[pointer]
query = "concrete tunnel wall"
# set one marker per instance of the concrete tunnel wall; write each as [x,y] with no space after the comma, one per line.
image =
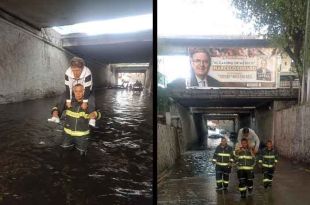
[168,147]
[31,68]
[102,75]
[292,134]
[174,140]
[189,131]
[149,78]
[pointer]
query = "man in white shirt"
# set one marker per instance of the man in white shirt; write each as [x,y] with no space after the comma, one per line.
[77,73]
[251,136]
[201,63]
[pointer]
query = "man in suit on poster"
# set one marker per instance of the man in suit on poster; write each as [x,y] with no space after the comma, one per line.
[200,61]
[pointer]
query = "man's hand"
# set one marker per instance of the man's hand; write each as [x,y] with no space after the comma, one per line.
[68,104]
[93,115]
[55,113]
[84,105]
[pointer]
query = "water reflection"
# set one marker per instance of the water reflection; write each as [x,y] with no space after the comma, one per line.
[118,167]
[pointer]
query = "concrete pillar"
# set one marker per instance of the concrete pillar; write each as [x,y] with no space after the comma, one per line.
[144,79]
[200,126]
[168,118]
[189,135]
[264,122]
[149,78]
[245,121]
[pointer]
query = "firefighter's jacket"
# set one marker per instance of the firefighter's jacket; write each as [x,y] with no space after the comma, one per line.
[223,156]
[268,158]
[245,159]
[77,119]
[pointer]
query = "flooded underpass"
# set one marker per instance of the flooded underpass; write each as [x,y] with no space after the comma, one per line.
[118,166]
[192,181]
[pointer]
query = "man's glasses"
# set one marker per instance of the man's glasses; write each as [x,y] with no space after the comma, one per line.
[205,62]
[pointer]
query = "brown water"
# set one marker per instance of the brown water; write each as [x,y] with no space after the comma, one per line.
[118,168]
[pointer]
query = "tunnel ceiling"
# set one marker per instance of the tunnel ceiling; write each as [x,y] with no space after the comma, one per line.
[122,53]
[49,13]
[126,48]
[116,48]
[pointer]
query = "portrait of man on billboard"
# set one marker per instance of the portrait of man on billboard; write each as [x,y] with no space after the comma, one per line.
[200,61]
[263,73]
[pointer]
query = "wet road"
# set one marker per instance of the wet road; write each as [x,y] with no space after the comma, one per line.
[117,169]
[192,181]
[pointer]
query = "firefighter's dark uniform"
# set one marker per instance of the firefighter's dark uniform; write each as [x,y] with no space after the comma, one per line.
[76,128]
[268,160]
[245,161]
[223,157]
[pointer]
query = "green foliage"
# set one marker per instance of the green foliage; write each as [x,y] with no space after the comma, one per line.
[284,20]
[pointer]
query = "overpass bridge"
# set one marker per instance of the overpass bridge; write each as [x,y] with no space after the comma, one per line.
[253,106]
[245,107]
[231,97]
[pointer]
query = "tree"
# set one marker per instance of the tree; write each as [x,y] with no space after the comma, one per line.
[285,21]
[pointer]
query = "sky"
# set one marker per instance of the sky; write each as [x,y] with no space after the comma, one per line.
[195,18]
[199,17]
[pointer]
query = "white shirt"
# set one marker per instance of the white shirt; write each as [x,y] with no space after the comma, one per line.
[253,140]
[202,82]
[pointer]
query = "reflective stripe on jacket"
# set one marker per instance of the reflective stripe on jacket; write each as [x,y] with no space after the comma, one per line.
[223,155]
[268,158]
[245,159]
[77,119]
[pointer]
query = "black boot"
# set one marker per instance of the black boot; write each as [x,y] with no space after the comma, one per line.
[250,190]
[265,185]
[243,194]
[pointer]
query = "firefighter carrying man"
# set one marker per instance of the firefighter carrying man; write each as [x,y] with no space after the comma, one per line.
[268,159]
[223,158]
[245,161]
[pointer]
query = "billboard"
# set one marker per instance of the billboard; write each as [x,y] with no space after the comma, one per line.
[233,67]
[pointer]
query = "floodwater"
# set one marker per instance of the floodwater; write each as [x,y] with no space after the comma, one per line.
[192,181]
[118,168]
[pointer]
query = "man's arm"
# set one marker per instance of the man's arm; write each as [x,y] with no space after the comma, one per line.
[256,139]
[87,85]
[68,93]
[239,136]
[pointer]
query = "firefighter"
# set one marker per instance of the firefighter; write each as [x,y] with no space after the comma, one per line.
[268,159]
[223,158]
[245,160]
[76,128]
